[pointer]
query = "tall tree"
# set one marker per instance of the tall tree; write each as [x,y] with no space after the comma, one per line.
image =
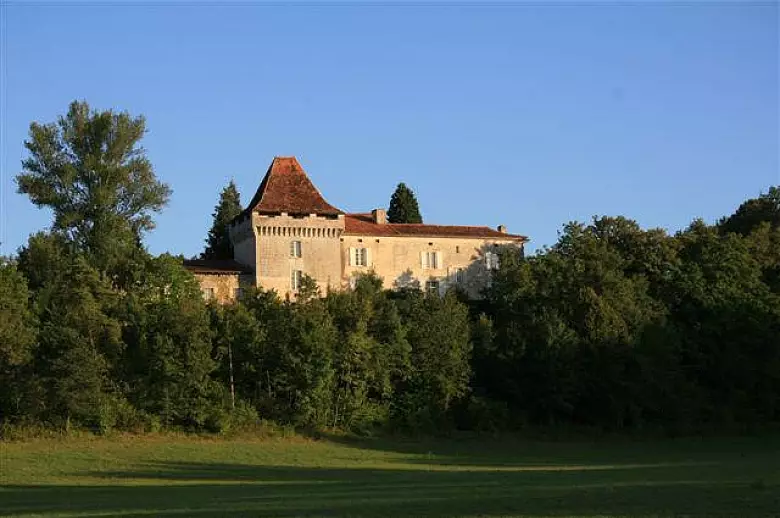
[403,206]
[90,170]
[218,245]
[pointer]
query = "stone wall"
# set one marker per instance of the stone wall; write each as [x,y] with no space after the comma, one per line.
[224,285]
[399,260]
[320,250]
[263,243]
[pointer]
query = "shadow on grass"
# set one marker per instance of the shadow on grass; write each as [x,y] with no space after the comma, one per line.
[206,489]
[513,450]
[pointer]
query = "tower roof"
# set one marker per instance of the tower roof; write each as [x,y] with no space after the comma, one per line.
[287,188]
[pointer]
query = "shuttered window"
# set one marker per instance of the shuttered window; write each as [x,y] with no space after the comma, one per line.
[431,260]
[360,257]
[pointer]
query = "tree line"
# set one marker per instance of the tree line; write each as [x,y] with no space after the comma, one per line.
[613,327]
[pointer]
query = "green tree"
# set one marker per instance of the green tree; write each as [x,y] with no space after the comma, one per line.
[17,325]
[79,340]
[168,358]
[438,333]
[90,170]
[753,212]
[371,355]
[403,206]
[218,244]
[17,336]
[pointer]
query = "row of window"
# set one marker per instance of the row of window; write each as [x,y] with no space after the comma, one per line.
[428,260]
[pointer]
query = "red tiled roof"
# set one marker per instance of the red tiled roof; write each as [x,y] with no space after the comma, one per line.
[363,224]
[287,188]
[215,266]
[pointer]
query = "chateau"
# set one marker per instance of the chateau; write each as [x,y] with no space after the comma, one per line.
[288,230]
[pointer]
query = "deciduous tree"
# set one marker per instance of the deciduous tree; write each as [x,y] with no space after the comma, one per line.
[91,171]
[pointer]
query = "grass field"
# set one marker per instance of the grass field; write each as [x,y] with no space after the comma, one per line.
[200,477]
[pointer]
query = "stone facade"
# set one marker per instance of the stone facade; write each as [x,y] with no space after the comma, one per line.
[432,263]
[221,287]
[288,230]
[267,245]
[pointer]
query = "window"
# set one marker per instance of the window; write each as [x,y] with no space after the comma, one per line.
[208,293]
[296,276]
[457,249]
[432,287]
[491,260]
[431,260]
[459,275]
[295,249]
[238,292]
[359,257]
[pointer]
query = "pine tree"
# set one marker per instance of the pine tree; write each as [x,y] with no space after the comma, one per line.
[403,206]
[218,244]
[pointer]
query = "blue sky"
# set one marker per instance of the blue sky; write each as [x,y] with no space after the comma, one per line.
[524,114]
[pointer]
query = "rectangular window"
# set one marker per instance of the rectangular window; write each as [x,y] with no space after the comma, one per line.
[295,249]
[237,293]
[208,293]
[432,287]
[459,275]
[295,279]
[359,257]
[431,260]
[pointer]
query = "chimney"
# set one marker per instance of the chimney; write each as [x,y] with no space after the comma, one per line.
[502,229]
[379,216]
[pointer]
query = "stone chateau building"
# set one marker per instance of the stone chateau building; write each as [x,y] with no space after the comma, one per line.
[288,230]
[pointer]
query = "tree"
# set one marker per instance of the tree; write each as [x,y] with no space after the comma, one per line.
[438,333]
[218,245]
[79,340]
[17,336]
[168,359]
[753,212]
[403,206]
[90,170]
[17,325]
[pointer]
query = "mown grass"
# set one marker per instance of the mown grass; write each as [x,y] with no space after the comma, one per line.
[201,477]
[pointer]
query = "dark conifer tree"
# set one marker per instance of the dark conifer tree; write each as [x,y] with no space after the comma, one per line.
[218,244]
[403,206]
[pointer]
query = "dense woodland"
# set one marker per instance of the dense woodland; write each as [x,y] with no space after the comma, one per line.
[613,327]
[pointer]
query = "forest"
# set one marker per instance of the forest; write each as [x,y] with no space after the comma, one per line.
[612,328]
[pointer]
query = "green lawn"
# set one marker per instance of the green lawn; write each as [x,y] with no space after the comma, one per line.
[189,476]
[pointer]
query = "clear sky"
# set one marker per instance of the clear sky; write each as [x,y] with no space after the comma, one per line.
[528,115]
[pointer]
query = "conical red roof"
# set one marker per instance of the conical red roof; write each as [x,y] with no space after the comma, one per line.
[287,188]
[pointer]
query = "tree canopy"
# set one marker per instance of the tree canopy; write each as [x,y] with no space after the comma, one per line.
[613,327]
[91,171]
[753,212]
[403,206]
[218,245]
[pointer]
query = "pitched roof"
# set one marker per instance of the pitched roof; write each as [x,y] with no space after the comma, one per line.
[287,188]
[363,224]
[215,266]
